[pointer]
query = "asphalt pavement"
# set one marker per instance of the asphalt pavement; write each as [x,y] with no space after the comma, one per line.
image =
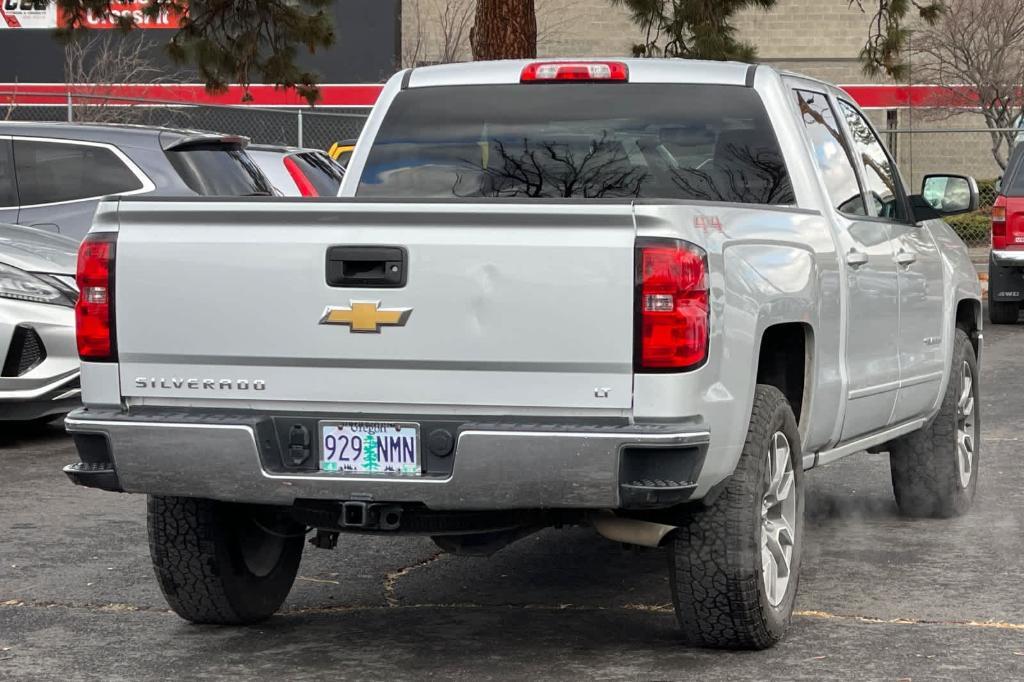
[881,597]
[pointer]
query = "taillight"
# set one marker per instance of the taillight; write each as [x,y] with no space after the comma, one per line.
[999,223]
[306,187]
[671,307]
[94,312]
[540,72]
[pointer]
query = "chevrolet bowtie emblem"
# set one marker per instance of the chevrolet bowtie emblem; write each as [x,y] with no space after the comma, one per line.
[366,316]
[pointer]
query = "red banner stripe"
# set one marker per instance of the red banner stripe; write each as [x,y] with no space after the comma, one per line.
[262,95]
[336,95]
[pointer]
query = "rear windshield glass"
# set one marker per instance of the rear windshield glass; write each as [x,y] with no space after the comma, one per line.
[322,171]
[1012,184]
[705,142]
[217,170]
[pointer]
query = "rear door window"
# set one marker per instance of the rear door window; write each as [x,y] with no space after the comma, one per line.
[8,190]
[831,153]
[219,170]
[50,172]
[586,141]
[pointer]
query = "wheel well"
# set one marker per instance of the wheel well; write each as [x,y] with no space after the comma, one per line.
[784,359]
[968,314]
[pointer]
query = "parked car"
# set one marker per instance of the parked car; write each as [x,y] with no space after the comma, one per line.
[1006,258]
[644,295]
[39,378]
[342,151]
[298,172]
[53,174]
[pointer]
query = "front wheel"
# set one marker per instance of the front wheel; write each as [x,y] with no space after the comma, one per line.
[220,563]
[935,470]
[734,567]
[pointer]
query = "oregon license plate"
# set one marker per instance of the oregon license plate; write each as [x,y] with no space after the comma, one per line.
[370,448]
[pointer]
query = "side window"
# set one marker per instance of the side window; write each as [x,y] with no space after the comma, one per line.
[830,152]
[53,171]
[8,190]
[881,179]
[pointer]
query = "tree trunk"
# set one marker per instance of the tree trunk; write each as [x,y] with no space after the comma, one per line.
[504,29]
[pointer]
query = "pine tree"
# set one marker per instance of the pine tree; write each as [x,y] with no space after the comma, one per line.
[371,462]
[229,41]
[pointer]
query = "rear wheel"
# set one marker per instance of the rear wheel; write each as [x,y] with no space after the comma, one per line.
[1003,313]
[935,469]
[221,563]
[734,567]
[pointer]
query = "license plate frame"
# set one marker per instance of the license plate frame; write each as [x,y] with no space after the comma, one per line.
[344,461]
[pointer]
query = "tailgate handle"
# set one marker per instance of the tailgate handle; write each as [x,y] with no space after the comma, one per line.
[367,266]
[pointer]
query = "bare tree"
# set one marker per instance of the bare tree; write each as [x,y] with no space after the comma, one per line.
[93,63]
[976,52]
[438,30]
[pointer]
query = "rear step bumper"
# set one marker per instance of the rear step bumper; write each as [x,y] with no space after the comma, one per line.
[506,466]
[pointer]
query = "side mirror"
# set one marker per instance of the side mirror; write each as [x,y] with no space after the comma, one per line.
[945,195]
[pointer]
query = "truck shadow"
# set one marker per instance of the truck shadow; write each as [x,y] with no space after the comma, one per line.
[15,434]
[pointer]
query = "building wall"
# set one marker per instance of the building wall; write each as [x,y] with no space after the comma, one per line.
[819,38]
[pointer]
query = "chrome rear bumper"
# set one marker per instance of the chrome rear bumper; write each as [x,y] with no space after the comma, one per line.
[508,468]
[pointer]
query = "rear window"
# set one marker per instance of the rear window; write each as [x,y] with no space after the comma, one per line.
[49,172]
[8,190]
[1012,184]
[638,140]
[218,170]
[325,174]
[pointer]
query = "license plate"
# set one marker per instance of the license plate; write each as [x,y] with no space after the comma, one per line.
[370,448]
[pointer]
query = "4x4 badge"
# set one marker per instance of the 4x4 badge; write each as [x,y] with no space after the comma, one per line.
[366,316]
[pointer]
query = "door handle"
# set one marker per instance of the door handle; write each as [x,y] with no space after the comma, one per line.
[367,266]
[905,257]
[856,258]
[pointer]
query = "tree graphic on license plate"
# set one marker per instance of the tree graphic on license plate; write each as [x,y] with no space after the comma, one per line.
[370,459]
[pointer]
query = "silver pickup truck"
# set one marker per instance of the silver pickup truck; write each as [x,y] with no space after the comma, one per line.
[642,295]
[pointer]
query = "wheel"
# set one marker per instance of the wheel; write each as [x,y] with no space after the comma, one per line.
[734,567]
[222,563]
[935,469]
[1003,313]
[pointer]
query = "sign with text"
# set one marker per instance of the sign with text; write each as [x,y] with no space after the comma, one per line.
[44,14]
[133,9]
[27,14]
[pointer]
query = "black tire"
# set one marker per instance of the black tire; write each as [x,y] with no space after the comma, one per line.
[1003,313]
[926,464]
[220,563]
[715,556]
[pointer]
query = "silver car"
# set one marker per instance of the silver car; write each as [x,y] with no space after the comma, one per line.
[40,374]
[298,172]
[52,175]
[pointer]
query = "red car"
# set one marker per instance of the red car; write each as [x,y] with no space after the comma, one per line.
[1006,262]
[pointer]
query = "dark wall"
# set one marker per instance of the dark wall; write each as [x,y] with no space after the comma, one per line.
[366,47]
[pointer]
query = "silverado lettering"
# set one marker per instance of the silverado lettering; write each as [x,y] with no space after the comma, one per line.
[198,384]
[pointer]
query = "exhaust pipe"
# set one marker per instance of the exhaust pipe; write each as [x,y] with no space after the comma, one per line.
[630,531]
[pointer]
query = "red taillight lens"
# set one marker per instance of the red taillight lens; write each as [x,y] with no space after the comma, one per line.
[540,72]
[306,187]
[94,312]
[999,223]
[672,305]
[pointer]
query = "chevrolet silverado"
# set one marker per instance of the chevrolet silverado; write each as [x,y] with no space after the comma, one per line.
[640,295]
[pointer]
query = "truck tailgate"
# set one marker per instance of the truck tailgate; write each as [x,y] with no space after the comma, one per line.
[504,305]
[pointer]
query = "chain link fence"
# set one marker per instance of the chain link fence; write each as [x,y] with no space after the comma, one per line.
[917,151]
[301,127]
[967,151]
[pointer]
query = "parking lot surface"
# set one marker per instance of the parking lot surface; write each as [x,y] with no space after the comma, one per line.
[881,597]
